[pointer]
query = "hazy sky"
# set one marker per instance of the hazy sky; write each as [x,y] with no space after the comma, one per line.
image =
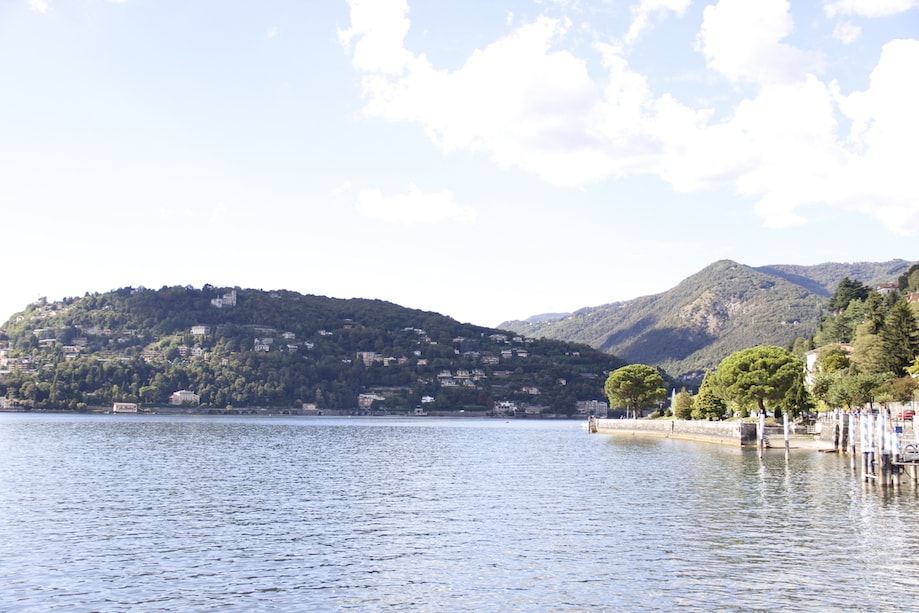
[485,159]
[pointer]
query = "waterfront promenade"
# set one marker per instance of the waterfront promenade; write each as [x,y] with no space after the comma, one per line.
[720,432]
[737,433]
[881,449]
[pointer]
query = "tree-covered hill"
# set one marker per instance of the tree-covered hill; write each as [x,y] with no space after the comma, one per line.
[724,308]
[252,348]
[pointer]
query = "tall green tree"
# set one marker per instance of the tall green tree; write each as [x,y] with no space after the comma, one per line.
[708,404]
[833,358]
[873,313]
[847,291]
[899,337]
[913,368]
[760,376]
[910,279]
[868,352]
[902,389]
[797,400]
[635,387]
[854,390]
[823,383]
[682,405]
[840,327]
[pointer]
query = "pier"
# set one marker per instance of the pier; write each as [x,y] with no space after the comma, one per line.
[719,432]
[881,449]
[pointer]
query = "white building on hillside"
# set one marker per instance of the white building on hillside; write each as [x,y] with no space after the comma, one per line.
[184,397]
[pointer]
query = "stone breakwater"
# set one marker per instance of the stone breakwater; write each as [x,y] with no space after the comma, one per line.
[720,432]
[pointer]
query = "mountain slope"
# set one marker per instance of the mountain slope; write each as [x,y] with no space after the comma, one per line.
[252,348]
[723,308]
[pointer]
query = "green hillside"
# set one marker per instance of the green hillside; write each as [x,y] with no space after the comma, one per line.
[252,348]
[724,308]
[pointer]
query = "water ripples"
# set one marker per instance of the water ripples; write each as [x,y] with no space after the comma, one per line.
[118,513]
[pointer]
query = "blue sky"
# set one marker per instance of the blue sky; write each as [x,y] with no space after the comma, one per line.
[487,160]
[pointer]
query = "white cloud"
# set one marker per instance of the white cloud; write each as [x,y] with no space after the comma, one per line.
[881,179]
[273,31]
[414,207]
[741,40]
[791,134]
[868,8]
[517,100]
[645,10]
[340,192]
[528,102]
[379,26]
[846,32]
[801,159]
[39,5]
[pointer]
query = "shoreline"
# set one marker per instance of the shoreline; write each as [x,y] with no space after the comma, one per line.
[256,412]
[731,433]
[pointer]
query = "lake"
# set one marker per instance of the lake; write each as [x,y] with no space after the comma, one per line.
[157,513]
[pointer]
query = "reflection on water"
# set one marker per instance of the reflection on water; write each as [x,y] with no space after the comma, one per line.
[134,513]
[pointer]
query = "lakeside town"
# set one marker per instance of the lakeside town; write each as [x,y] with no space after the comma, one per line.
[112,352]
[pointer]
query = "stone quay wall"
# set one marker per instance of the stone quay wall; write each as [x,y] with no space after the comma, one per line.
[720,432]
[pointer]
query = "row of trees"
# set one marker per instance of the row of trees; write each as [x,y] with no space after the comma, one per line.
[867,346]
[764,378]
[868,352]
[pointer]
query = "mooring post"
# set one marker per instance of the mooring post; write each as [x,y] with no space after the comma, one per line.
[762,432]
[889,449]
[592,424]
[894,438]
[866,444]
[852,438]
[887,458]
[836,430]
[881,469]
[843,431]
[787,433]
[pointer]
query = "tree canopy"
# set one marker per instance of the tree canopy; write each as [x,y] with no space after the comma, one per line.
[899,337]
[760,376]
[280,349]
[847,291]
[708,404]
[635,387]
[682,405]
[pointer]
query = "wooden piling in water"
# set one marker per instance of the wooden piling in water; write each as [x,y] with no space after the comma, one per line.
[852,439]
[787,434]
[866,446]
[883,458]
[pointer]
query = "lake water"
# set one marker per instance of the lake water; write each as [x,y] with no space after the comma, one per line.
[155,513]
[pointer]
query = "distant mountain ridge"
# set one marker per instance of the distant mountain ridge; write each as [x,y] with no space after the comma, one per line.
[723,308]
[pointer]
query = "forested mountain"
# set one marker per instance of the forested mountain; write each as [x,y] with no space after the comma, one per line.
[724,308]
[252,348]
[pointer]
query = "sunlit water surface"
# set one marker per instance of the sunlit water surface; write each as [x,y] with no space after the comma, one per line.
[148,513]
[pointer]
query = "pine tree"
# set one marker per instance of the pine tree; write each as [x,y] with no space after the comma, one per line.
[847,291]
[707,404]
[900,338]
[682,405]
